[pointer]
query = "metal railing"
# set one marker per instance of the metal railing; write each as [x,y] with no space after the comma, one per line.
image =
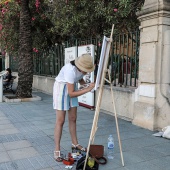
[123,63]
[125,59]
[49,62]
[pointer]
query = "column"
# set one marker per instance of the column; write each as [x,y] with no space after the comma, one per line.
[152,107]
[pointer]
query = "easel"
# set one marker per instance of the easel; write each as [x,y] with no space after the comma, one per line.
[96,116]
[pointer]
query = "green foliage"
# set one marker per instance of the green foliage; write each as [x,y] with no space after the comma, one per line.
[62,19]
[73,18]
[41,26]
[9,19]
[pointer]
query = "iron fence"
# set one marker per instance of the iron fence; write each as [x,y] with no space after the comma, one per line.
[123,62]
[49,62]
[125,59]
[13,63]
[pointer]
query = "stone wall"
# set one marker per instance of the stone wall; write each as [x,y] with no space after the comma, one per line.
[152,109]
[43,83]
[124,97]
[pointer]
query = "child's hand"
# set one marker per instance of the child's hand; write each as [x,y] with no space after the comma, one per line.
[88,87]
[91,86]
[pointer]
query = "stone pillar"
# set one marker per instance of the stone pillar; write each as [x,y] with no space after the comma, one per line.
[152,108]
[6,60]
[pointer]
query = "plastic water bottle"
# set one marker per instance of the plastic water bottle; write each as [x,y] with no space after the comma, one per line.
[110,150]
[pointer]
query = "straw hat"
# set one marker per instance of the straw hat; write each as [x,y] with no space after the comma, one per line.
[85,63]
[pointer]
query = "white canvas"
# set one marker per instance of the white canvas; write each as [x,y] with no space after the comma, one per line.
[103,59]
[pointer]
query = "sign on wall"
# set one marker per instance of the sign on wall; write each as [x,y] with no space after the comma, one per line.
[87,100]
[70,54]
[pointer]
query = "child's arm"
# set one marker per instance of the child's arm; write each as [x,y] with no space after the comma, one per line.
[73,93]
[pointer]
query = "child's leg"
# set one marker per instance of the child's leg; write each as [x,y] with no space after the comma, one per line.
[72,117]
[60,118]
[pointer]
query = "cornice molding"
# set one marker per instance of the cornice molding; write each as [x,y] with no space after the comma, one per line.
[154,6]
[154,15]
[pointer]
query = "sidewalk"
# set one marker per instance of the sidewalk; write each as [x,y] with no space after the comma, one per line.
[27,142]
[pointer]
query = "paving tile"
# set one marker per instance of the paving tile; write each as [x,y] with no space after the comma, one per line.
[4,121]
[12,166]
[11,138]
[121,168]
[22,153]
[19,165]
[2,114]
[6,126]
[24,164]
[35,134]
[3,118]
[2,149]
[142,166]
[49,132]
[35,163]
[131,134]
[42,122]
[41,141]
[45,126]
[4,157]
[16,145]
[28,129]
[113,167]
[8,131]
[146,153]
[41,161]
[145,141]
[3,139]
[162,163]
[163,147]
[129,158]
[3,166]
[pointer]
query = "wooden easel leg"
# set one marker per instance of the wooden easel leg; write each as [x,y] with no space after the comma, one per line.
[94,126]
[117,126]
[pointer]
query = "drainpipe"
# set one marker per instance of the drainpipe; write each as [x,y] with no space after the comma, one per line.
[165,67]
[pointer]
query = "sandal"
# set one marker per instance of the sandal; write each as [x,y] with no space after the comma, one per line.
[78,147]
[57,156]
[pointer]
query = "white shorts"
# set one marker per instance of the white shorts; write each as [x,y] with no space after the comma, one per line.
[61,99]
